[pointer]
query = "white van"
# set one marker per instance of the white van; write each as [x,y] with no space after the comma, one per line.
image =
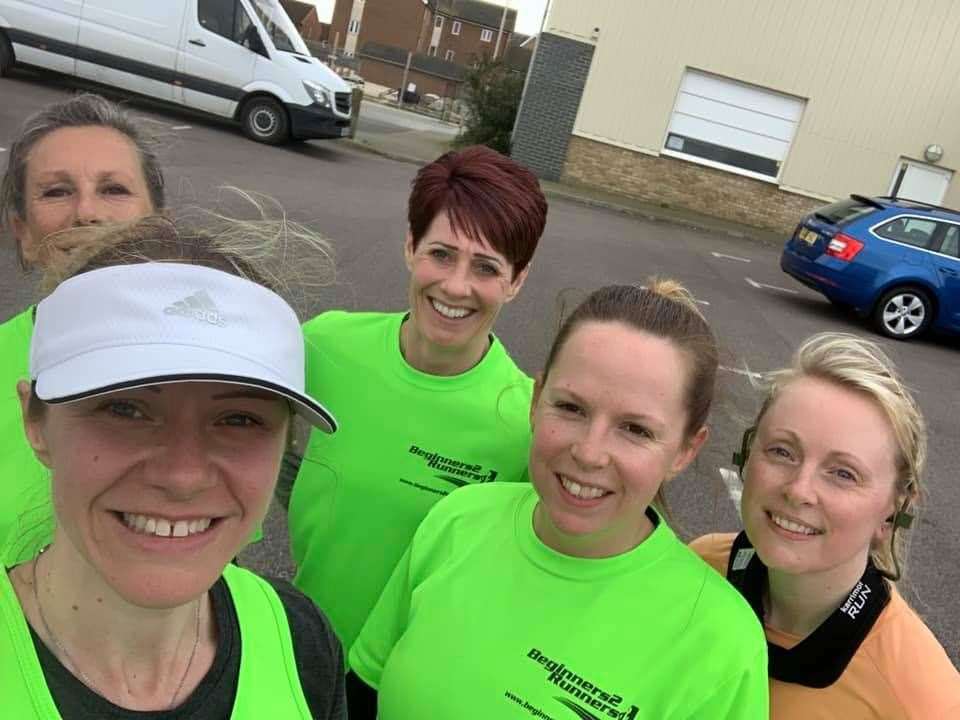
[240,59]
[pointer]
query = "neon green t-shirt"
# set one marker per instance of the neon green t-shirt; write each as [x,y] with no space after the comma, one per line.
[26,512]
[268,684]
[405,440]
[482,620]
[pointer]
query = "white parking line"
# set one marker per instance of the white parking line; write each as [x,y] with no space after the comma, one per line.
[181,127]
[760,285]
[739,371]
[731,480]
[731,257]
[3,149]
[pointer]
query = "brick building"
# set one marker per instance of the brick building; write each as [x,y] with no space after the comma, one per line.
[445,36]
[304,16]
[312,29]
[731,109]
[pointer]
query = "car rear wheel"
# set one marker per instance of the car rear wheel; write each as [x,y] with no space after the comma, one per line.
[903,313]
[265,120]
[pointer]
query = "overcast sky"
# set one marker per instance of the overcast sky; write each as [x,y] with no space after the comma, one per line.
[530,12]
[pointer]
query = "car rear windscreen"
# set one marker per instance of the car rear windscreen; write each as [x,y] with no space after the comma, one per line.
[844,211]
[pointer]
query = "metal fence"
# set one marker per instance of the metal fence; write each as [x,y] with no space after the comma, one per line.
[347,66]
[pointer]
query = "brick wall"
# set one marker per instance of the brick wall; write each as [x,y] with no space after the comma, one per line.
[550,104]
[389,75]
[312,29]
[390,22]
[678,183]
[339,22]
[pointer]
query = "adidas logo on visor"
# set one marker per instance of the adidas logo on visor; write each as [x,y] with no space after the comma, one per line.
[198,306]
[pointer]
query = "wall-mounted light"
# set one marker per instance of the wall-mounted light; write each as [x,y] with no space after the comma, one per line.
[933,153]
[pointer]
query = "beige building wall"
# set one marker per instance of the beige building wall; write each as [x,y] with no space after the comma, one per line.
[880,77]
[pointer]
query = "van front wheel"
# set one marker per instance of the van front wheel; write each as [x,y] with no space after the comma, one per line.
[6,55]
[265,120]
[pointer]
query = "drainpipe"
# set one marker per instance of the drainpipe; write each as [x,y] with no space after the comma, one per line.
[503,21]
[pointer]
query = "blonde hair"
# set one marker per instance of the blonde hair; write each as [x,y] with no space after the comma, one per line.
[285,256]
[671,289]
[860,365]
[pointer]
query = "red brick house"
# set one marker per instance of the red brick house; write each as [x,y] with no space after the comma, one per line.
[304,16]
[445,36]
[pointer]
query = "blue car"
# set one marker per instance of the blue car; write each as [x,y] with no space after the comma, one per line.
[895,261]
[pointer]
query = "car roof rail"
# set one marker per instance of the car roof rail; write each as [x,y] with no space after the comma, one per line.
[919,203]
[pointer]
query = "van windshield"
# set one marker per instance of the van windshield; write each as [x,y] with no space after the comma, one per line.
[279,27]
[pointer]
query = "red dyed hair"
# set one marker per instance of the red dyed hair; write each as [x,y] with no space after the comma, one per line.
[487,196]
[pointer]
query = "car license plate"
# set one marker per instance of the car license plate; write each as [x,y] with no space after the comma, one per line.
[344,131]
[808,236]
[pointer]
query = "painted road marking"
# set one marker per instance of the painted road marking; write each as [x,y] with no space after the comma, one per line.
[731,480]
[731,257]
[3,149]
[760,285]
[181,127]
[739,371]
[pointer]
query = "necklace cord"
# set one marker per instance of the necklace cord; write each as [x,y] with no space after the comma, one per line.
[73,663]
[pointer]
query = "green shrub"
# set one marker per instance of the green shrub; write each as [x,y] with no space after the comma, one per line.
[491,96]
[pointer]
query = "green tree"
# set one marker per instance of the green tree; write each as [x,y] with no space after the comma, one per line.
[491,96]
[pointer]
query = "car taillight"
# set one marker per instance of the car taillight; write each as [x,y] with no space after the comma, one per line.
[844,247]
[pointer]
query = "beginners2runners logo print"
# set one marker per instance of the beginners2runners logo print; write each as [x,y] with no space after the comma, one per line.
[456,472]
[582,697]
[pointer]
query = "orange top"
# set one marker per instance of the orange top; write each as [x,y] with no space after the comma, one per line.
[900,671]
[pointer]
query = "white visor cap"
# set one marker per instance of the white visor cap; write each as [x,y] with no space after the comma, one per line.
[153,323]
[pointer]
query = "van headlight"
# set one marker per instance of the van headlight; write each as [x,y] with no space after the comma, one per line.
[320,95]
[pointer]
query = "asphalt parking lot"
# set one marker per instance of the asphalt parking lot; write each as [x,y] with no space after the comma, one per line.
[358,200]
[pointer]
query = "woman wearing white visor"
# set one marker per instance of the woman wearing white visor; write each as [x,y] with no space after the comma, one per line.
[164,380]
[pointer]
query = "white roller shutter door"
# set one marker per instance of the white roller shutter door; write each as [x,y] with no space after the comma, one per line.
[726,122]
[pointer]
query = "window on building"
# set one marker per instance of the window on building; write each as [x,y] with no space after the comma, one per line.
[439,22]
[448,55]
[726,123]
[432,50]
[914,231]
[226,18]
[455,28]
[486,35]
[354,26]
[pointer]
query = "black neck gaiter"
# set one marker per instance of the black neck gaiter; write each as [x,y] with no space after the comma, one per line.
[819,659]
